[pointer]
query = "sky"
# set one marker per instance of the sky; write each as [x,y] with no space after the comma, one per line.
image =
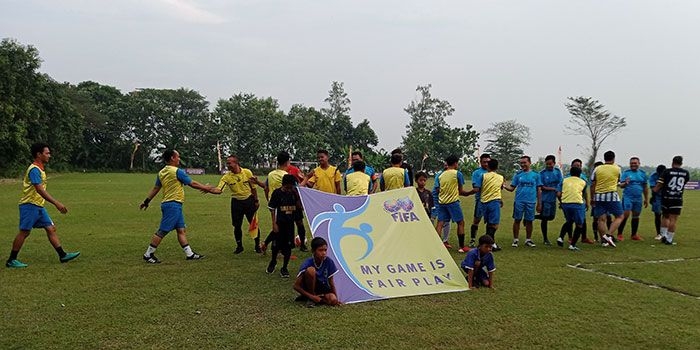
[492,60]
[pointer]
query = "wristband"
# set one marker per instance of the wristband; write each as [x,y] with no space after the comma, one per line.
[146,201]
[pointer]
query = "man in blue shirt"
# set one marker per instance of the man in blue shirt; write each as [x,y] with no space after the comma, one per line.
[369,170]
[526,184]
[656,199]
[634,184]
[551,178]
[477,175]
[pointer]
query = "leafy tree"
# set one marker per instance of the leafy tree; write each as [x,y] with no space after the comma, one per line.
[309,129]
[505,142]
[341,132]
[590,118]
[428,134]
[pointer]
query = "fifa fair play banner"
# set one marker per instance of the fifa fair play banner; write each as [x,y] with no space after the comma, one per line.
[384,245]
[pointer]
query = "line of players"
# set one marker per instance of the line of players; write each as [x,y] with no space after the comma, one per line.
[542,192]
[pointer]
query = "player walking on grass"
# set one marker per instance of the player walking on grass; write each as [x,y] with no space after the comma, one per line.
[671,185]
[491,185]
[572,193]
[244,199]
[567,228]
[551,178]
[284,205]
[32,213]
[604,181]
[477,175]
[172,180]
[325,177]
[634,184]
[527,186]
[394,176]
[449,187]
[656,199]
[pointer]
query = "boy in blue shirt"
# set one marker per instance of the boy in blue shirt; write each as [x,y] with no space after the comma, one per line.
[479,264]
[314,282]
[526,185]
[634,184]
[656,199]
[551,179]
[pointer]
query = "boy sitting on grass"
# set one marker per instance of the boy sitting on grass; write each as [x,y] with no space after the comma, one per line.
[314,282]
[479,264]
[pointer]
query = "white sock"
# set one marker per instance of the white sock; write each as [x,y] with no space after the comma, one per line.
[515,240]
[150,251]
[187,250]
[669,236]
[664,231]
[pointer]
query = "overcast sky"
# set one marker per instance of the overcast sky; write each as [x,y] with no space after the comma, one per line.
[493,60]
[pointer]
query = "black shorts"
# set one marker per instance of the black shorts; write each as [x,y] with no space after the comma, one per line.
[284,239]
[671,207]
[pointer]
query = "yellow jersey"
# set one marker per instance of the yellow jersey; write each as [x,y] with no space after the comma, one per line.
[325,180]
[33,177]
[172,181]
[238,184]
[357,183]
[274,179]
[606,178]
[394,178]
[491,186]
[572,190]
[448,182]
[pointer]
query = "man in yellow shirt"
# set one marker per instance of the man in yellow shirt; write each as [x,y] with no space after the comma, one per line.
[358,182]
[325,177]
[491,185]
[395,176]
[572,194]
[244,199]
[448,188]
[172,180]
[604,196]
[32,213]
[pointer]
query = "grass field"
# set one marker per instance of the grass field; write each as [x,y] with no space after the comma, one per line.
[109,298]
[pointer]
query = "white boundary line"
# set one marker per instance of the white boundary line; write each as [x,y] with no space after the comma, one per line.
[641,261]
[582,267]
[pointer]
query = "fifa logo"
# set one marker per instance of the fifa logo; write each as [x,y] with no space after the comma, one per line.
[401,210]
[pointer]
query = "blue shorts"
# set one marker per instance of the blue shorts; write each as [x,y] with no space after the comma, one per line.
[549,210]
[575,213]
[478,209]
[523,211]
[33,216]
[450,211]
[492,212]
[634,205]
[613,208]
[656,206]
[172,216]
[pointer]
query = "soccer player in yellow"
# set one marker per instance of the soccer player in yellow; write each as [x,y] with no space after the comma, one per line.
[244,199]
[32,213]
[491,185]
[395,176]
[604,196]
[325,177]
[172,180]
[358,182]
[572,193]
[448,185]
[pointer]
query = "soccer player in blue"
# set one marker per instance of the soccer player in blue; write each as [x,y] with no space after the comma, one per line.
[551,178]
[32,213]
[526,184]
[173,181]
[656,199]
[634,184]
[480,265]
[314,282]
[477,175]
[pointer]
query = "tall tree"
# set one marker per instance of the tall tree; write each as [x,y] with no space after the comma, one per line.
[341,131]
[308,128]
[505,142]
[429,136]
[590,118]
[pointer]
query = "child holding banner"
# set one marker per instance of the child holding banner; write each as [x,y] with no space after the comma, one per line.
[314,282]
[479,264]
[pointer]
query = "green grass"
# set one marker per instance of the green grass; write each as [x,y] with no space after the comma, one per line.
[109,298]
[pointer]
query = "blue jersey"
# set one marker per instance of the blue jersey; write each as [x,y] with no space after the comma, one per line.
[477,176]
[550,178]
[323,272]
[474,255]
[637,182]
[526,184]
[368,170]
